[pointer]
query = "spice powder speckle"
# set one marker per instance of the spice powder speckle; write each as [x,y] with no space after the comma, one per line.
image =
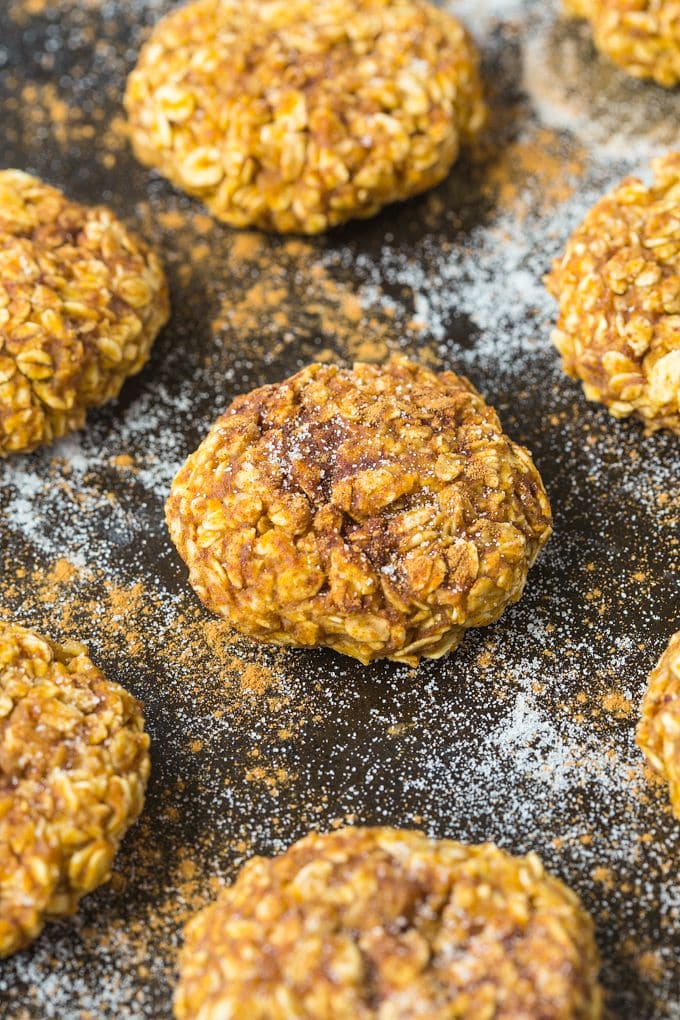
[525,735]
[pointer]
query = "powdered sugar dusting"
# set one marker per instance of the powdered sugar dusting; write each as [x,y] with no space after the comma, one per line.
[525,735]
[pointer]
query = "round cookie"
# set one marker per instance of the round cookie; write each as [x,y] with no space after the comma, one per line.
[81,302]
[641,36]
[658,733]
[74,764]
[378,510]
[618,288]
[300,115]
[383,923]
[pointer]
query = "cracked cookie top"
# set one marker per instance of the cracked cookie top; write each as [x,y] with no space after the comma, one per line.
[379,510]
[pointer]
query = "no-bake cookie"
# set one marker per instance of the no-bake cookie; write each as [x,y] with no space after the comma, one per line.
[641,36]
[81,302]
[658,732]
[300,115]
[618,288]
[378,510]
[382,923]
[74,763]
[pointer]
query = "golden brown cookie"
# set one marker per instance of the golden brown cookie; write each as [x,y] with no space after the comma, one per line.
[81,302]
[299,115]
[74,764]
[641,36]
[382,923]
[378,510]
[658,733]
[618,288]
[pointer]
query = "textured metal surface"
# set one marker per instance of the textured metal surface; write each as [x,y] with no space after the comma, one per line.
[525,735]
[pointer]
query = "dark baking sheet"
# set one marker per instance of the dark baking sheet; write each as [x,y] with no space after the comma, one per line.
[525,735]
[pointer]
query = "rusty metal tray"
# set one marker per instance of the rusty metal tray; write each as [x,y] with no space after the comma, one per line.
[525,735]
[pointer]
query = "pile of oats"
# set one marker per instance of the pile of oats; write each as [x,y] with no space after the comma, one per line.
[618,287]
[659,730]
[74,764]
[368,923]
[81,302]
[379,510]
[297,115]
[642,36]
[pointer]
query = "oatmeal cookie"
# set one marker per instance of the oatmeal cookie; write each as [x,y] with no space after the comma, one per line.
[300,115]
[74,763]
[658,733]
[378,510]
[383,923]
[641,36]
[618,288]
[81,301]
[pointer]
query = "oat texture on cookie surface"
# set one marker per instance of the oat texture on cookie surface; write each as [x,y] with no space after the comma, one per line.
[74,764]
[618,288]
[81,302]
[297,116]
[658,732]
[369,923]
[641,36]
[378,510]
